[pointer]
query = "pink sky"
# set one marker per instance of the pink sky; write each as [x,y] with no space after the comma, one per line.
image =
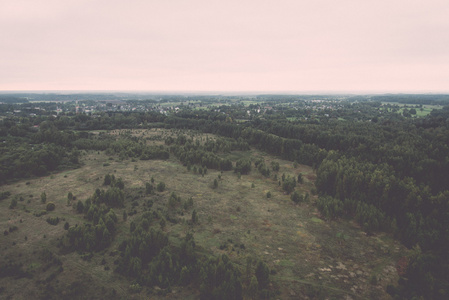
[209,45]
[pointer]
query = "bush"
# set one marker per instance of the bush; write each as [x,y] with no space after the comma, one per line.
[263,169]
[307,198]
[262,274]
[53,220]
[173,200]
[13,203]
[296,197]
[149,188]
[288,184]
[4,195]
[119,183]
[135,288]
[194,217]
[79,207]
[108,178]
[51,206]
[43,197]
[41,213]
[161,186]
[300,179]
[242,166]
[275,166]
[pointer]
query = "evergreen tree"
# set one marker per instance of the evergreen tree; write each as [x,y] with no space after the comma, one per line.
[289,184]
[79,206]
[194,217]
[262,274]
[161,186]
[43,197]
[300,179]
[149,188]
[296,197]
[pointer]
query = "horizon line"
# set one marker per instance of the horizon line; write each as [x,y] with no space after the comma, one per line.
[233,92]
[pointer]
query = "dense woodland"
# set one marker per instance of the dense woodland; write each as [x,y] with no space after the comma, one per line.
[378,163]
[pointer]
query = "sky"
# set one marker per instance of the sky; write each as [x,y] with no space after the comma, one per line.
[371,46]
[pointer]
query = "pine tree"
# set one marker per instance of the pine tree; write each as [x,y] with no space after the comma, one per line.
[194,217]
[262,274]
[43,197]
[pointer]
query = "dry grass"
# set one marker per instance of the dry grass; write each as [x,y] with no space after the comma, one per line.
[309,256]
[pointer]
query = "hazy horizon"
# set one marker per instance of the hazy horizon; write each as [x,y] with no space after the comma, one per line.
[205,92]
[199,46]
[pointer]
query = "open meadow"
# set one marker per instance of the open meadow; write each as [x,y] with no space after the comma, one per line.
[308,257]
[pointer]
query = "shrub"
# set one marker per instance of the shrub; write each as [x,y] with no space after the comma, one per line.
[243,166]
[300,179]
[43,197]
[4,195]
[53,220]
[135,288]
[51,206]
[161,186]
[149,188]
[262,274]
[194,217]
[107,179]
[79,206]
[275,166]
[172,201]
[288,184]
[119,183]
[41,213]
[307,198]
[296,197]
[13,203]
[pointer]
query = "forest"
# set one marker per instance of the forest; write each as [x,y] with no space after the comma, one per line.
[381,161]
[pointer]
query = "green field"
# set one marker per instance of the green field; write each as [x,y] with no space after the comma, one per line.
[420,112]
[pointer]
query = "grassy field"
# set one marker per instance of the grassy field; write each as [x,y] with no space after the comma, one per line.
[420,112]
[309,257]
